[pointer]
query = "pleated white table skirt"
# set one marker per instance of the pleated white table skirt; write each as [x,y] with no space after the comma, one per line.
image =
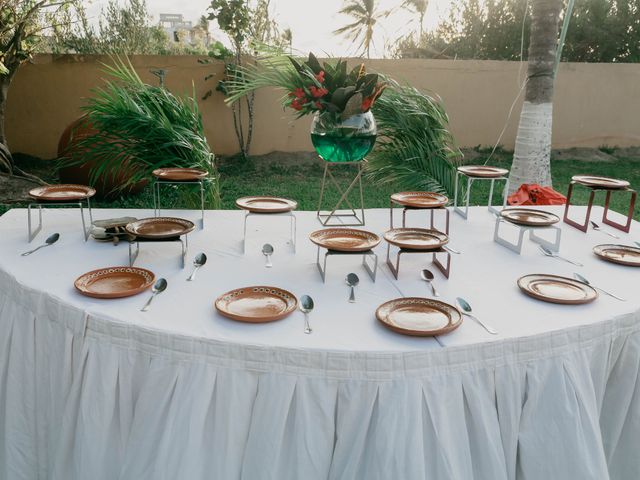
[88,396]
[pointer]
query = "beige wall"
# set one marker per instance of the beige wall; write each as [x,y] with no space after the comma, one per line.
[595,104]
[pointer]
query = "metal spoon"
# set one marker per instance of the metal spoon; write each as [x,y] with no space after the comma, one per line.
[428,277]
[580,278]
[600,229]
[199,261]
[451,250]
[159,287]
[267,251]
[352,280]
[549,253]
[306,306]
[49,241]
[466,310]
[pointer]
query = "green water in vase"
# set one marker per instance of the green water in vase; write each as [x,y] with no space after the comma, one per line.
[341,148]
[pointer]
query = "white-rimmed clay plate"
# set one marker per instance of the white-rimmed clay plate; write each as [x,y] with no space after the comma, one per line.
[257,304]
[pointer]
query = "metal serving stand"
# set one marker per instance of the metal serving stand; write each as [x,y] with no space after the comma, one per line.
[609,192]
[326,217]
[322,268]
[470,180]
[31,234]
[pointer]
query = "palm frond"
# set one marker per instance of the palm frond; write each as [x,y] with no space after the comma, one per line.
[142,127]
[415,149]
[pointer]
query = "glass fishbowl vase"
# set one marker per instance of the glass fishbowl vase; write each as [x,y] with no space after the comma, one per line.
[340,140]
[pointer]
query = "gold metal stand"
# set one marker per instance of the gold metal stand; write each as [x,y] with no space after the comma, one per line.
[325,217]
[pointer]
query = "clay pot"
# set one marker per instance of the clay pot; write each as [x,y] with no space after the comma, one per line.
[105,185]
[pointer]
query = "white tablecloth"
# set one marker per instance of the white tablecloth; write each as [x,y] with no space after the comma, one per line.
[96,389]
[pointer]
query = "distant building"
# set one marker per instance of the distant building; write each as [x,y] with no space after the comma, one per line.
[178,29]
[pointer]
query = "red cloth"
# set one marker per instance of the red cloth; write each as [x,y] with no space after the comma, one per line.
[534,194]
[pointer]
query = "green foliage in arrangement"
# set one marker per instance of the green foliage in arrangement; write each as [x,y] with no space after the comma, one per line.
[141,128]
[415,149]
[309,85]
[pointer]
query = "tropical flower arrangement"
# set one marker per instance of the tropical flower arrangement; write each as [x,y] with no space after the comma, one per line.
[312,87]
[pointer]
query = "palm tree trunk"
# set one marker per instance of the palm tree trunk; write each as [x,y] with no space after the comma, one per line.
[6,161]
[531,159]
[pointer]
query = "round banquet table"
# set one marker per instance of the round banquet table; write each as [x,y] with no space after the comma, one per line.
[96,389]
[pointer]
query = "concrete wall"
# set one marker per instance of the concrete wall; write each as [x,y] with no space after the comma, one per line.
[595,104]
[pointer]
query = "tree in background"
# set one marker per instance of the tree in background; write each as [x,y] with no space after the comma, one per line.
[249,26]
[420,8]
[365,14]
[531,158]
[122,29]
[601,31]
[287,39]
[23,26]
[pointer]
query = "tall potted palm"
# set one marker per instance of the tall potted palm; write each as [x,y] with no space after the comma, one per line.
[140,127]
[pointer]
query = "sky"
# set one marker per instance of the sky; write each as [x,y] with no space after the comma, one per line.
[311,26]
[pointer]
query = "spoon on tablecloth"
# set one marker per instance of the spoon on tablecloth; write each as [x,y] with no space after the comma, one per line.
[48,242]
[549,253]
[580,278]
[352,280]
[199,261]
[306,306]
[159,287]
[466,310]
[600,229]
[267,251]
[427,276]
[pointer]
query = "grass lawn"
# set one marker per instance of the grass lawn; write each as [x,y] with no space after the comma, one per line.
[302,183]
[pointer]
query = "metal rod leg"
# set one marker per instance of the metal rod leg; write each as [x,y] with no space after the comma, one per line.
[244,234]
[294,228]
[32,234]
[85,232]
[202,204]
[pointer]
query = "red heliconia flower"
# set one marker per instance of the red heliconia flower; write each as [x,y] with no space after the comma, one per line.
[320,76]
[299,93]
[297,104]
[318,92]
[366,103]
[319,106]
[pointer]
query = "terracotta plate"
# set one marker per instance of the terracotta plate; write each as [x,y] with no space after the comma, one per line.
[160,227]
[555,289]
[600,182]
[256,304]
[416,238]
[266,204]
[529,216]
[420,199]
[345,239]
[483,171]
[421,317]
[179,174]
[114,282]
[66,192]
[622,254]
